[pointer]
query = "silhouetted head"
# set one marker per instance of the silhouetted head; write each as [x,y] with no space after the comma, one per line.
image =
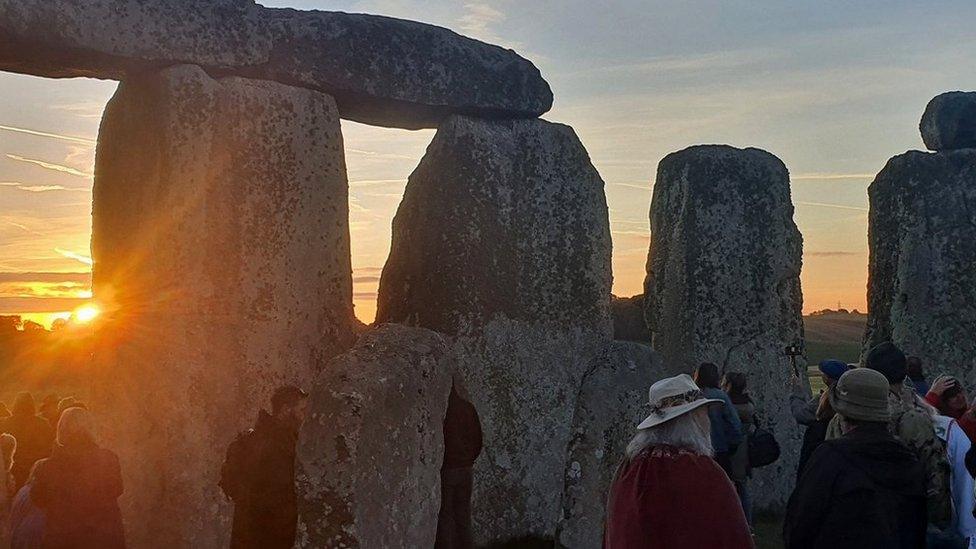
[4,411]
[915,368]
[8,444]
[290,404]
[953,399]
[735,384]
[75,428]
[24,405]
[889,360]
[707,375]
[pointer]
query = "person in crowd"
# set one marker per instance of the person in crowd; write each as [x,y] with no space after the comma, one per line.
[916,375]
[949,398]
[49,410]
[815,413]
[78,488]
[726,428]
[864,490]
[911,422]
[258,475]
[27,520]
[33,433]
[962,528]
[734,384]
[8,444]
[462,446]
[667,491]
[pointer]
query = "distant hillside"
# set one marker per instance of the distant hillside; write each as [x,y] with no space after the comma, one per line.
[834,334]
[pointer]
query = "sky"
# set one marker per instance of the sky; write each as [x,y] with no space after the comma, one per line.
[832,88]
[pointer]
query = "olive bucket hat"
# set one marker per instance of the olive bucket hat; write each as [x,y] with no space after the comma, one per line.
[861,394]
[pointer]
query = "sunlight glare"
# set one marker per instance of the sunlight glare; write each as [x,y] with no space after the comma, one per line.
[85,313]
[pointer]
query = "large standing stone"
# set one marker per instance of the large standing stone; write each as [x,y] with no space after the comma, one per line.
[612,402]
[628,319]
[503,240]
[922,274]
[723,281]
[949,121]
[381,70]
[371,453]
[221,247]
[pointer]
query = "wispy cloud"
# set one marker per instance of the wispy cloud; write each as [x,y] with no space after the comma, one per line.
[39,304]
[47,188]
[830,176]
[478,20]
[62,137]
[374,154]
[76,256]
[51,166]
[837,206]
[365,279]
[91,109]
[35,276]
[832,254]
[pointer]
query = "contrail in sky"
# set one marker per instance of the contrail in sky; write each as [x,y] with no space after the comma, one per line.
[838,206]
[70,138]
[50,166]
[77,257]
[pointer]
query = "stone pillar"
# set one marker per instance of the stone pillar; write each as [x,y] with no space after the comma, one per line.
[221,247]
[922,237]
[612,402]
[723,282]
[503,241]
[370,454]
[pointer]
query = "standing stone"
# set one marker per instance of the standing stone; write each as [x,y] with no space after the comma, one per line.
[949,122]
[221,247]
[503,240]
[922,279]
[723,282]
[370,455]
[628,319]
[612,402]
[381,70]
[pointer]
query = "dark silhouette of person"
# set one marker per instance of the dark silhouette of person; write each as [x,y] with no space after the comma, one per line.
[33,433]
[462,446]
[49,410]
[78,487]
[259,475]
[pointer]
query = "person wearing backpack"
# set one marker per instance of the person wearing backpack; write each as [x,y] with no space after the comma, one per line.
[865,489]
[258,475]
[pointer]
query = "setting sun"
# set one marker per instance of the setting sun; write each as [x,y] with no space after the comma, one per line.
[85,314]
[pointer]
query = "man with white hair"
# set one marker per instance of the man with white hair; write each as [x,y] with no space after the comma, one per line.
[669,492]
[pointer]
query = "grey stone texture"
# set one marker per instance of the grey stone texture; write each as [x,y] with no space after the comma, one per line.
[628,319]
[949,122]
[502,241]
[612,402]
[370,454]
[221,247]
[922,272]
[380,70]
[723,282]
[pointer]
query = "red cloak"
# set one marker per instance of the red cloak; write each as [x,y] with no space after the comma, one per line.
[668,498]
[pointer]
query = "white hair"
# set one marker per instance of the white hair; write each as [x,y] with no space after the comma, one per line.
[691,431]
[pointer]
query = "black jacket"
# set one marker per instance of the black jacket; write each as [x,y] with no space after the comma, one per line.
[865,490]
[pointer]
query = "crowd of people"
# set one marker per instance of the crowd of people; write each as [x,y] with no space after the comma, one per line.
[887,462]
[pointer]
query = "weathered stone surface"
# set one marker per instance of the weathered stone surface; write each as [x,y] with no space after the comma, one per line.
[628,319]
[380,70]
[503,240]
[221,247]
[922,279]
[612,402]
[723,281]
[370,455]
[949,121]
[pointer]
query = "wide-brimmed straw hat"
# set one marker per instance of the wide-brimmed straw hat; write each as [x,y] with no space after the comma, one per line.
[673,397]
[861,394]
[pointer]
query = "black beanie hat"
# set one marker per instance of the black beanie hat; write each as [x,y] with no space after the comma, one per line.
[889,360]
